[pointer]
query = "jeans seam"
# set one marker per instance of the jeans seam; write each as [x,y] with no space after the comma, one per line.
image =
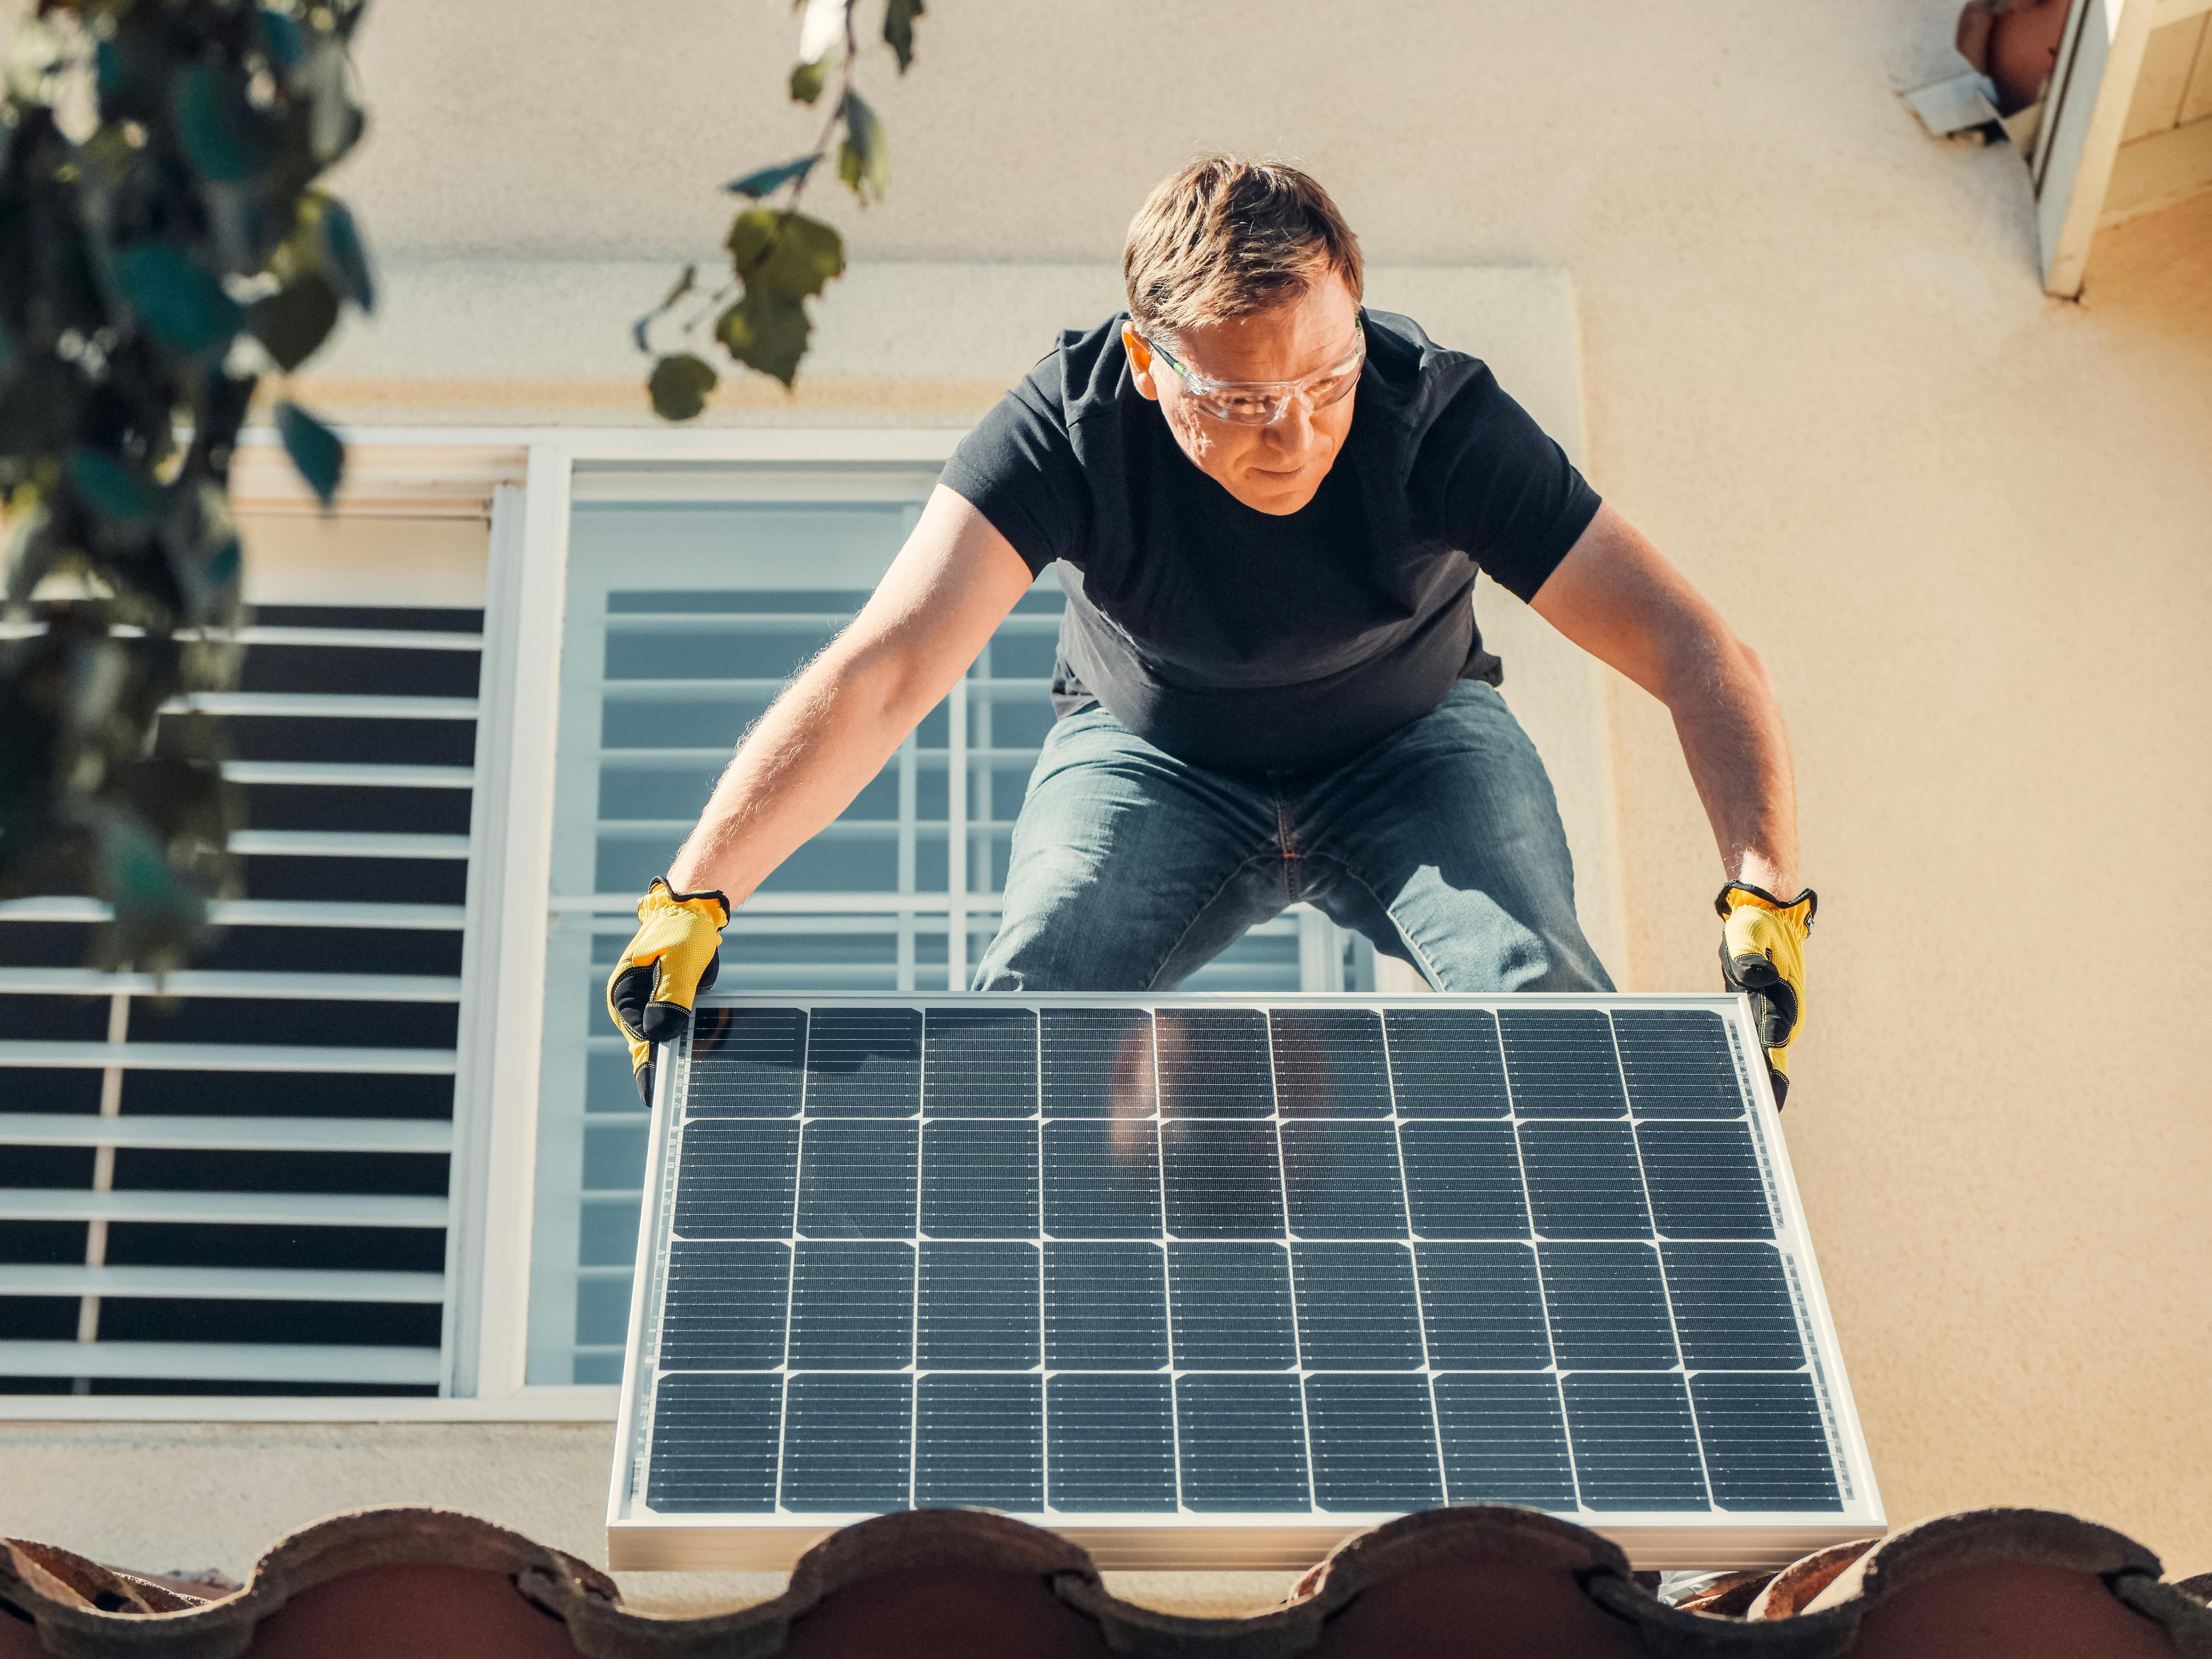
[1153,978]
[1421,957]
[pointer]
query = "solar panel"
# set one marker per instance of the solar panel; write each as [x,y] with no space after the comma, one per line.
[1217,1281]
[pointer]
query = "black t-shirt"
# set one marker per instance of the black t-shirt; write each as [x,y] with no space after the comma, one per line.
[1245,641]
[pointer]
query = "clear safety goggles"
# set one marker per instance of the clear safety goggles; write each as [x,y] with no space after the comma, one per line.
[1262,403]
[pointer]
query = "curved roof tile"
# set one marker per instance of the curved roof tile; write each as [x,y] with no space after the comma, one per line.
[1505,1582]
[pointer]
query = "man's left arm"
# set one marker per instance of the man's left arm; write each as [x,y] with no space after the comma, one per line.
[1616,596]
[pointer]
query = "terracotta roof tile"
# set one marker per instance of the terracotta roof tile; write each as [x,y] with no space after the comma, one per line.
[1989,1584]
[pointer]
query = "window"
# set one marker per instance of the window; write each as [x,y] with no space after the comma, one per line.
[236,1184]
[683,619]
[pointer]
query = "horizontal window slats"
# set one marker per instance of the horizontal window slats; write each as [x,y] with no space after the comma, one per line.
[227,1057]
[260,1361]
[261,1135]
[349,774]
[224,1284]
[255,912]
[243,1209]
[239,1172]
[345,843]
[332,705]
[192,982]
[338,638]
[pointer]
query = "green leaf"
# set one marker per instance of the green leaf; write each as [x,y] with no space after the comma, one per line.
[898,29]
[684,286]
[110,489]
[345,253]
[225,138]
[156,914]
[181,303]
[679,385]
[785,253]
[766,331]
[282,39]
[863,160]
[296,320]
[315,448]
[807,81]
[768,181]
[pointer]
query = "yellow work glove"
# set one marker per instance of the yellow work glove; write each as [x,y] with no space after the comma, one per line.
[663,970]
[1763,953]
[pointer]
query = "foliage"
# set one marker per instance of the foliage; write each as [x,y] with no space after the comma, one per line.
[779,257]
[163,243]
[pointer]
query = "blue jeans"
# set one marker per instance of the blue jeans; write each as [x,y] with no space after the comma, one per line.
[1132,869]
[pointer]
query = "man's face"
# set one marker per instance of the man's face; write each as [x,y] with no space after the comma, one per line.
[1276,468]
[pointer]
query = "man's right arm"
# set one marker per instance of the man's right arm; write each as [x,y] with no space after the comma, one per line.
[835,724]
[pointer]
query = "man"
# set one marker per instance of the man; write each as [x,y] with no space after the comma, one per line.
[1271,687]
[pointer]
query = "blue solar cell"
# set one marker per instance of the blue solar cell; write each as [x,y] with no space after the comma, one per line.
[1230,1305]
[1374,1444]
[979,1442]
[1105,1306]
[857,1180]
[746,1062]
[978,1306]
[1098,1062]
[1357,1307]
[1464,1180]
[1561,1063]
[1342,1181]
[1705,1181]
[1242,1442]
[725,1306]
[1732,1308]
[1584,1181]
[714,1444]
[736,1179]
[864,1062]
[1678,1063]
[979,1179]
[1213,1063]
[1224,1180]
[1111,1442]
[1102,1178]
[1446,1062]
[979,1062]
[1329,1062]
[847,1443]
[1483,1307]
[1766,1442]
[1504,1440]
[1635,1446]
[852,1304]
[1608,1307]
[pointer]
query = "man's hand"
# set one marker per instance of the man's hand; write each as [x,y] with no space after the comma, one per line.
[1763,953]
[672,959]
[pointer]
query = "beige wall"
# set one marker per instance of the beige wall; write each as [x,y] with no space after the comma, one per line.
[1967,526]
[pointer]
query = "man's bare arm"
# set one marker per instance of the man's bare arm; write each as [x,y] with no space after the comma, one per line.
[835,724]
[1616,596]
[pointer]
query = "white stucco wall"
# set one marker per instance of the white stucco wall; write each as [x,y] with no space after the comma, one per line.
[1966,526]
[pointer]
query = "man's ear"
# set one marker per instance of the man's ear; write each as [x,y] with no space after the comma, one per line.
[1141,362]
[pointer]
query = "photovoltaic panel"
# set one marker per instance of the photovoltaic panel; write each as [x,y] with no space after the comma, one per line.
[1217,1280]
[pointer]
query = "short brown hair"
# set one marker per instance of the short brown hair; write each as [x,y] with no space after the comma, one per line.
[1225,237]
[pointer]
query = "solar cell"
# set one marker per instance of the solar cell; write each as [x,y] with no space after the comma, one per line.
[1162,1264]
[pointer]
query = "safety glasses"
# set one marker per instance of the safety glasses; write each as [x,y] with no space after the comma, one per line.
[1262,403]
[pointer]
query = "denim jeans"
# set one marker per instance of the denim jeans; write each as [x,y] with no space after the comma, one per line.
[1132,869]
